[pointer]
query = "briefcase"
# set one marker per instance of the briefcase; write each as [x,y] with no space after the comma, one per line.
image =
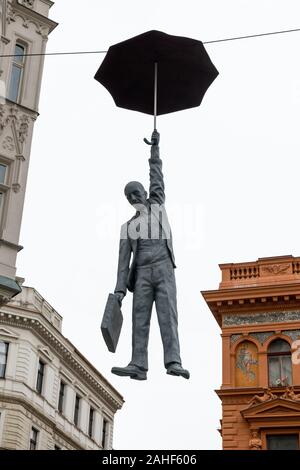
[112,322]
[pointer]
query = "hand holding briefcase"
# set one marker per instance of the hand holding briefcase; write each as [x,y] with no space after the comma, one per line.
[112,322]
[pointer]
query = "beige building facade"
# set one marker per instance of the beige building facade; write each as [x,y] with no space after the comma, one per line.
[51,397]
[24,31]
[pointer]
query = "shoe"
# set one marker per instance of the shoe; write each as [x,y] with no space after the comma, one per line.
[134,372]
[177,369]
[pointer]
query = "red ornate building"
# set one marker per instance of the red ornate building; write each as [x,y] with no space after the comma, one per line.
[257,307]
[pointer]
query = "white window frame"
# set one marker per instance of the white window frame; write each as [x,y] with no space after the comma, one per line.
[18,42]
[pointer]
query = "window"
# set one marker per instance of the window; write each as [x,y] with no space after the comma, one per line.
[33,439]
[280,364]
[283,442]
[61,397]
[3,169]
[3,358]
[40,377]
[91,421]
[76,410]
[104,433]
[17,72]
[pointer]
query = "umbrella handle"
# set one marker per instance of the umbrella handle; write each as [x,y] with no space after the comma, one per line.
[147,141]
[155,94]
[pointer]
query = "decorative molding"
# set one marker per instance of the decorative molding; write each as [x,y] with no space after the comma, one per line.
[8,333]
[36,415]
[275,269]
[27,3]
[67,355]
[11,115]
[16,184]
[82,392]
[23,10]
[293,334]
[258,318]
[263,336]
[2,118]
[235,338]
[65,375]
[45,352]
[11,245]
[8,144]
[10,15]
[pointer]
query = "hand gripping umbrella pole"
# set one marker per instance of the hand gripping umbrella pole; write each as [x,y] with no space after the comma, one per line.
[155,101]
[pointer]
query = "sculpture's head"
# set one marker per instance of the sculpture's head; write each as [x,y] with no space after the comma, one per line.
[135,193]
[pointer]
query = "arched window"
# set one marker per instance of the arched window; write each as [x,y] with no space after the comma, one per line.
[279,363]
[17,73]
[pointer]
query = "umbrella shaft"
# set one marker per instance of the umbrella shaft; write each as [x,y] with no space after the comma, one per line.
[155,94]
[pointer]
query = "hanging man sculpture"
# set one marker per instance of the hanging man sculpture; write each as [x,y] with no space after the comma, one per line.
[150,276]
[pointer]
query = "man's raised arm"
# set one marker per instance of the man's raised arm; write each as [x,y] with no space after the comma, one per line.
[157,187]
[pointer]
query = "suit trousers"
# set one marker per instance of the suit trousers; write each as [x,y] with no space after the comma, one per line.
[155,283]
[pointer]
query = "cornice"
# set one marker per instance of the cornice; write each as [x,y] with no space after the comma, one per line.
[48,2]
[238,392]
[33,15]
[47,421]
[255,299]
[43,331]
[11,245]
[33,113]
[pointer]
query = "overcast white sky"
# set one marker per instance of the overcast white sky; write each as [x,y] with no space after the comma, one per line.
[236,157]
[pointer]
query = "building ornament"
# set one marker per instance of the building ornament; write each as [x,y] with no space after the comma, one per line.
[10,115]
[267,396]
[289,394]
[275,269]
[10,14]
[234,338]
[27,3]
[255,443]
[257,318]
[8,144]
[262,336]
[15,9]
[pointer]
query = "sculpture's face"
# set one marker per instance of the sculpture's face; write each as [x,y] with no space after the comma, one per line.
[135,193]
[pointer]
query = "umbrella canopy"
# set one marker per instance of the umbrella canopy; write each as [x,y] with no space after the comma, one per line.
[184,73]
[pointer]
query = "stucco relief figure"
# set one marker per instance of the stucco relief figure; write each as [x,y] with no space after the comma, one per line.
[255,443]
[289,394]
[268,395]
[150,274]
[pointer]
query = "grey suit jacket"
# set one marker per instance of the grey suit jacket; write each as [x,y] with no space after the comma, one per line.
[128,245]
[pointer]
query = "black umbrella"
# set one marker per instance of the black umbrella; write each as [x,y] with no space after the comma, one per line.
[156,73]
